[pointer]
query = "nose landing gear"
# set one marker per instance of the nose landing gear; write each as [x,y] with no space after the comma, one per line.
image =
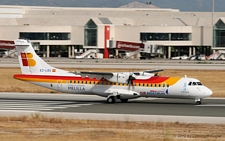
[198,101]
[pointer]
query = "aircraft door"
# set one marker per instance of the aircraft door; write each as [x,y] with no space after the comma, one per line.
[164,88]
[185,87]
[59,84]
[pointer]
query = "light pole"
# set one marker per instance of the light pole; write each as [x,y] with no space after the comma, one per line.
[212,11]
[212,24]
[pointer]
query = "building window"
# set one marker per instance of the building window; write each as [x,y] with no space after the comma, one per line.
[34,36]
[59,36]
[219,34]
[45,36]
[90,34]
[154,36]
[165,36]
[180,36]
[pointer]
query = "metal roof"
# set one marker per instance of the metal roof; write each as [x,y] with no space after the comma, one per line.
[58,16]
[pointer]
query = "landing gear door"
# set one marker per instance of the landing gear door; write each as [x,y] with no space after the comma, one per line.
[59,84]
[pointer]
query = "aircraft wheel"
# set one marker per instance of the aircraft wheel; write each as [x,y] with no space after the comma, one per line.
[124,100]
[198,102]
[111,99]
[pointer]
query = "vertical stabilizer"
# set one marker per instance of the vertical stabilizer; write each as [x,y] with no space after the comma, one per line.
[30,62]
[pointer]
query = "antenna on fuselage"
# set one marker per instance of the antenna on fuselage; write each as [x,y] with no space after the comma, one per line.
[185,76]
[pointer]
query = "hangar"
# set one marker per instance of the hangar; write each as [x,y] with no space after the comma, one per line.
[69,31]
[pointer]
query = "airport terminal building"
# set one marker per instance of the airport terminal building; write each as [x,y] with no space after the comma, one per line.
[67,32]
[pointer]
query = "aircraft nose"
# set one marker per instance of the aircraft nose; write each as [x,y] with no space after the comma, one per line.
[208,92]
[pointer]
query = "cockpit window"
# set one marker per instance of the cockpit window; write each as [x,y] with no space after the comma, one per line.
[194,83]
[199,83]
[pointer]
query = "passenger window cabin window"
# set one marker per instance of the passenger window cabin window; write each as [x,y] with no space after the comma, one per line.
[155,85]
[159,85]
[168,85]
[74,81]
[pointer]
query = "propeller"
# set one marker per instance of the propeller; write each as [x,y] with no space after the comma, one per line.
[130,79]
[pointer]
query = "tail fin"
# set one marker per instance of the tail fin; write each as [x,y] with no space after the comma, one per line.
[30,62]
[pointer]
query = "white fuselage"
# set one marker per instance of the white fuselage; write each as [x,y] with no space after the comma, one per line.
[180,89]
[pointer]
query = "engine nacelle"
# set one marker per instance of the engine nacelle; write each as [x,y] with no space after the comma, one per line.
[119,77]
[124,94]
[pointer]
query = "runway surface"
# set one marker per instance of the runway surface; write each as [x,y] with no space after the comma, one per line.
[93,104]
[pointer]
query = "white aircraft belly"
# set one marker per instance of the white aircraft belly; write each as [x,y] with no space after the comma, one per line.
[105,90]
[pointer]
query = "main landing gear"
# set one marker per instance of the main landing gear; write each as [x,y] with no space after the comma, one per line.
[198,101]
[112,99]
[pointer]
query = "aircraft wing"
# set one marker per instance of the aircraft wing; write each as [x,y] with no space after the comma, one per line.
[151,71]
[121,77]
[97,75]
[148,71]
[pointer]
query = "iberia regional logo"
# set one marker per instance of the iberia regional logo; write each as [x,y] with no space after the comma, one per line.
[27,59]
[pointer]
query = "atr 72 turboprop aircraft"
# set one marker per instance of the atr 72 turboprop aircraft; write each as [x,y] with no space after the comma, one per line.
[112,85]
